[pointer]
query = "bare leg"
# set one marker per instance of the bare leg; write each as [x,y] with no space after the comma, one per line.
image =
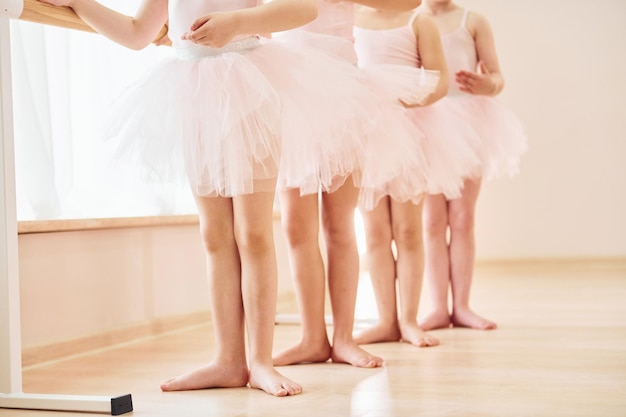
[462,252]
[407,233]
[382,271]
[343,274]
[242,277]
[254,234]
[300,218]
[229,367]
[437,267]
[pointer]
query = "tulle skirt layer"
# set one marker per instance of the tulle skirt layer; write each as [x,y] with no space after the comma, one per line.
[450,148]
[395,164]
[501,137]
[230,120]
[212,120]
[392,162]
[401,82]
[326,117]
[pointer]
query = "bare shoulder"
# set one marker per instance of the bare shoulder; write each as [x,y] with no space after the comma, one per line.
[477,23]
[424,23]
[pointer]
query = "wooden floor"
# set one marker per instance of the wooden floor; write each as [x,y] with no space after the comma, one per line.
[560,350]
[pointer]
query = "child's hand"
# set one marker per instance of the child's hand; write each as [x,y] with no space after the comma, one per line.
[57,2]
[163,41]
[476,82]
[214,30]
[409,105]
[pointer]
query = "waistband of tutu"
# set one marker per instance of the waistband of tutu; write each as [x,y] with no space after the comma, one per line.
[200,51]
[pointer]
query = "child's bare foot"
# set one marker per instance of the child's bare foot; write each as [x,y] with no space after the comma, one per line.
[467,318]
[438,319]
[381,333]
[352,354]
[268,379]
[412,334]
[303,353]
[213,375]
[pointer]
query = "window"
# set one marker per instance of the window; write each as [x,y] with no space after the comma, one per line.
[63,84]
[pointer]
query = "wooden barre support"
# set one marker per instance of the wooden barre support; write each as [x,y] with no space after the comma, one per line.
[76,403]
[47,14]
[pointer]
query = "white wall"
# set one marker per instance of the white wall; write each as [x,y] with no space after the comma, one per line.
[565,66]
[75,284]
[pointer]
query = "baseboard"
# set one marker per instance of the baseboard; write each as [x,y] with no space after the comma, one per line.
[38,355]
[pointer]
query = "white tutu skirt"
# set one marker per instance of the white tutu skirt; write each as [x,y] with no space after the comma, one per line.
[228,120]
[501,137]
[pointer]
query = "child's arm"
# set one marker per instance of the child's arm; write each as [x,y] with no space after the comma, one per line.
[488,79]
[217,29]
[385,5]
[431,53]
[133,32]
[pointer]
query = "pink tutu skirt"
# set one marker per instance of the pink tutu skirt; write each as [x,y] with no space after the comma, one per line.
[393,162]
[396,163]
[450,148]
[501,137]
[447,151]
[229,120]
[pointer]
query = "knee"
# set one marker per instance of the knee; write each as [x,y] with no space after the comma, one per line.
[254,241]
[377,237]
[462,222]
[434,224]
[298,233]
[408,236]
[216,238]
[339,232]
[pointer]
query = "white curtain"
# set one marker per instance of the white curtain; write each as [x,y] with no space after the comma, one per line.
[63,81]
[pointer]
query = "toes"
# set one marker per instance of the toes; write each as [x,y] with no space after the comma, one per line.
[286,388]
[167,385]
[431,341]
[292,389]
[280,392]
[370,362]
[367,363]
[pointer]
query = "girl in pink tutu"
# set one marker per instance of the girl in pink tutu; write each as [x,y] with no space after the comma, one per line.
[393,164]
[500,141]
[216,114]
[408,39]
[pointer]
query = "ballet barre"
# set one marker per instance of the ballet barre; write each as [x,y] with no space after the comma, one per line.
[11,395]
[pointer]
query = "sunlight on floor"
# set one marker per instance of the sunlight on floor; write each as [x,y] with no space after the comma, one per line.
[365,302]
